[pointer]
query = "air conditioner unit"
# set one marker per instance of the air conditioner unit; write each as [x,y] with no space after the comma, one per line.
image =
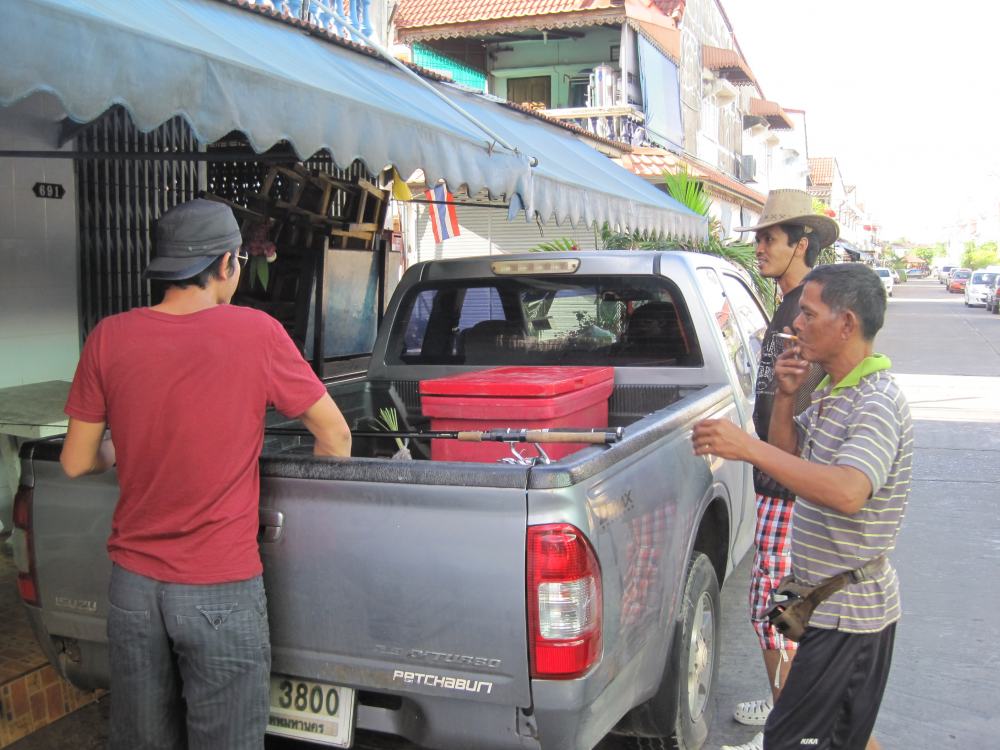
[748,168]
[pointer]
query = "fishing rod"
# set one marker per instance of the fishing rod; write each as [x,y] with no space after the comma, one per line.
[596,436]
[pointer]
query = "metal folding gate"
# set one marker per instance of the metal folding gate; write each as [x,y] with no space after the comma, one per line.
[132,178]
[119,199]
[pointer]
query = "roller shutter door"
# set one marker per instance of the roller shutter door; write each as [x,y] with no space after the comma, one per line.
[486,231]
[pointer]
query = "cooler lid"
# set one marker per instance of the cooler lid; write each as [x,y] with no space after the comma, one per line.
[517,382]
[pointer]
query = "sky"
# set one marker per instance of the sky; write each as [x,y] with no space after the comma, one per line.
[905,94]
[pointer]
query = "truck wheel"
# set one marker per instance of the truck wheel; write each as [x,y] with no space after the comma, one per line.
[698,655]
[678,716]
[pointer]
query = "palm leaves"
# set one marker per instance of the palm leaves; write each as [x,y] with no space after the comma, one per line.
[690,192]
[557,245]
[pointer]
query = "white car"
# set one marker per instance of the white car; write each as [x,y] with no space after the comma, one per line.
[977,289]
[886,275]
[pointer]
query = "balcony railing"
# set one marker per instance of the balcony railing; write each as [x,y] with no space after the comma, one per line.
[358,13]
[622,123]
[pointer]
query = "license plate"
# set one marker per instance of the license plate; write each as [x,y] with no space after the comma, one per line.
[313,711]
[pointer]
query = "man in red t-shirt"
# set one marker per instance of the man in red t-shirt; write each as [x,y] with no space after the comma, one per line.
[183,387]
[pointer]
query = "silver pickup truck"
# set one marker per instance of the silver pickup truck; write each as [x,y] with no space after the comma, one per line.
[458,604]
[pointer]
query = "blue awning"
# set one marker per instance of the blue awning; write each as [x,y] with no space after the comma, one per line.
[225,68]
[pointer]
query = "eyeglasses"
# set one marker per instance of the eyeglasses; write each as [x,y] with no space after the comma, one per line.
[242,257]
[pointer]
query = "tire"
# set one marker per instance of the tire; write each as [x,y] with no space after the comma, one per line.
[698,656]
[678,717]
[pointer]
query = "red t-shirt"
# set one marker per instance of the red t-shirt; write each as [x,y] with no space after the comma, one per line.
[185,396]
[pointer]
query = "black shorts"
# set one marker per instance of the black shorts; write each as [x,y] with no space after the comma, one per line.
[833,691]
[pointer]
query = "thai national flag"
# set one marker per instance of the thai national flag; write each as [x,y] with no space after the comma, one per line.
[443,216]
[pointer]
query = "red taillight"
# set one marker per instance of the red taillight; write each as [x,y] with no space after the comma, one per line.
[24,548]
[564,602]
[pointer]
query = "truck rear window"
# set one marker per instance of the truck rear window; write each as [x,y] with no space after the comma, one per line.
[624,321]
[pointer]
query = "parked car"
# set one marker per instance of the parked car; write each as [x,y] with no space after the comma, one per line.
[918,273]
[470,602]
[977,288]
[958,279]
[993,295]
[944,273]
[886,275]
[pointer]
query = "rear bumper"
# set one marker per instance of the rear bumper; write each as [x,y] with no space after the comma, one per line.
[567,714]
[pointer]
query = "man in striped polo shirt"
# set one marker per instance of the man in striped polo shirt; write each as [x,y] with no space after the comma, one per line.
[847,459]
[788,239]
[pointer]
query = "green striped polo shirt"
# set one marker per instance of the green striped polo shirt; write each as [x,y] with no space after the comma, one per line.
[862,422]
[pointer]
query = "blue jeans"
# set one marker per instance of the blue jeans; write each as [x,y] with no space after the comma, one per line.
[190,664]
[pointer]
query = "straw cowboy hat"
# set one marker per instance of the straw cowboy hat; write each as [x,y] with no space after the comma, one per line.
[795,207]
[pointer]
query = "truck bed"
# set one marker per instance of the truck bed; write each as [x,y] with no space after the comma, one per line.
[360,401]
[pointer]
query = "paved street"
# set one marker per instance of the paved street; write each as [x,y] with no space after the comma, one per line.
[946,673]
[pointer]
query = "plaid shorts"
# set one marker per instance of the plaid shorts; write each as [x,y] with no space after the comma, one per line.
[771,563]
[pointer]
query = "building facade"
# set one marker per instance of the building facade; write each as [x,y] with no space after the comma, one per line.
[858,230]
[658,85]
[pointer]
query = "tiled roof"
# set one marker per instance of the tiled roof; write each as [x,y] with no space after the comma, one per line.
[728,64]
[821,171]
[653,162]
[772,112]
[420,14]
[412,14]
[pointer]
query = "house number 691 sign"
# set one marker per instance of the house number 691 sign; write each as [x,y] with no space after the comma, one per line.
[48,190]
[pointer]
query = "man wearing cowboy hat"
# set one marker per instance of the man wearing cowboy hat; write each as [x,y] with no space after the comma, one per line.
[789,237]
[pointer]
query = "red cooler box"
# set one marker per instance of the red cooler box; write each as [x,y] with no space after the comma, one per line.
[519,398]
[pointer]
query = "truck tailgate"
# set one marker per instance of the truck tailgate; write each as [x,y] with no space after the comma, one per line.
[399,586]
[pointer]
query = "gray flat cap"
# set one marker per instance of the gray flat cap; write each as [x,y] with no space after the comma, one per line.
[189,237]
